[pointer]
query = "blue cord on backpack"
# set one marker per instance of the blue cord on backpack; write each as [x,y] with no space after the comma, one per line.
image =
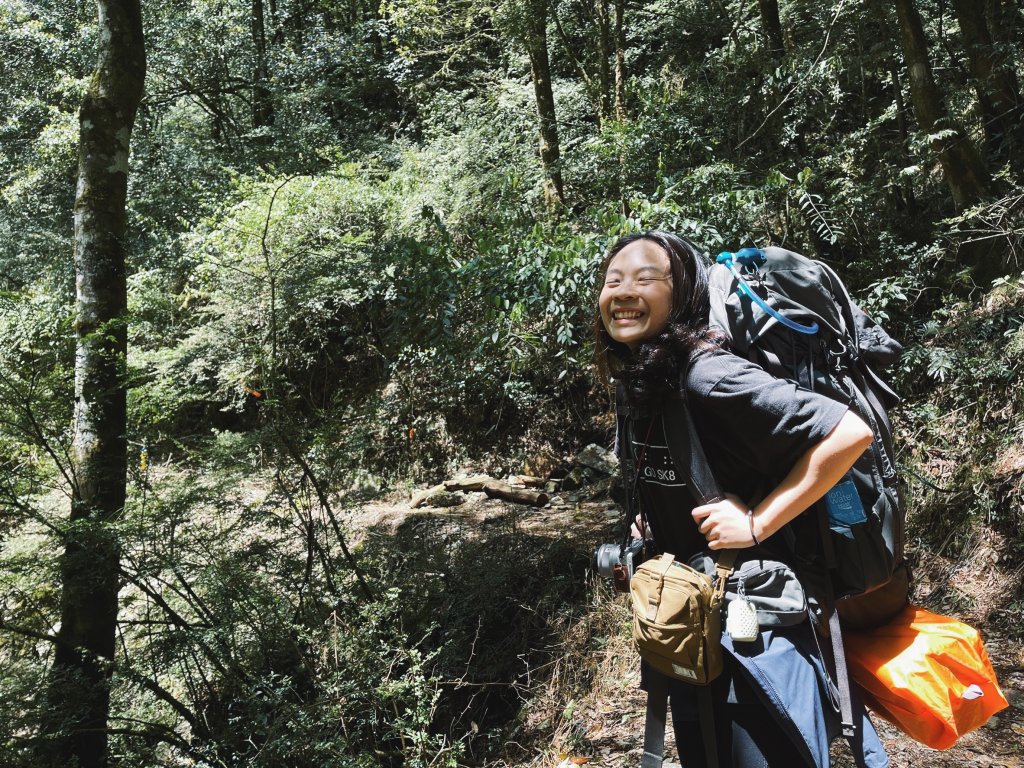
[752,258]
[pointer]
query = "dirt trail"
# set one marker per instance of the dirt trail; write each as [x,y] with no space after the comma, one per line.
[603,725]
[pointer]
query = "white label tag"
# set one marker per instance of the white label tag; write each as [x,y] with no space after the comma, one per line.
[972,692]
[684,672]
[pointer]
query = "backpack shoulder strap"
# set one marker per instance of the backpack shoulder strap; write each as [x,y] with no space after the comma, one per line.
[686,450]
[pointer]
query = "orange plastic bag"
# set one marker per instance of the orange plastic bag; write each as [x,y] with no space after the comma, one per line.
[927,674]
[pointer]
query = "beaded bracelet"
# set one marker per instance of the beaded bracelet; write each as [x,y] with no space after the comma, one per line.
[750,519]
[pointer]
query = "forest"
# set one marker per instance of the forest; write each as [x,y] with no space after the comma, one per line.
[269,268]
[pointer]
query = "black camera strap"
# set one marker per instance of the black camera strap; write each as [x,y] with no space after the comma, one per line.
[634,491]
[688,455]
[630,466]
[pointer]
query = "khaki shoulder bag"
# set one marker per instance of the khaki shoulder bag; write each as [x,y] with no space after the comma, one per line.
[677,617]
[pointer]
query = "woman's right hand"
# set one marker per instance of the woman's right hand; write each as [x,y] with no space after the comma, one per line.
[725,524]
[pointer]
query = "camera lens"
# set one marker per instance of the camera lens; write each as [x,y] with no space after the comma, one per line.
[606,557]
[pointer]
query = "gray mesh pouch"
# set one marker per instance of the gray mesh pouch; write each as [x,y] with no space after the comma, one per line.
[769,585]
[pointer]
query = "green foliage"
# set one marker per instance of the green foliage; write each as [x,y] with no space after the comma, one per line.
[965,379]
[44,75]
[263,648]
[36,398]
[364,313]
[343,275]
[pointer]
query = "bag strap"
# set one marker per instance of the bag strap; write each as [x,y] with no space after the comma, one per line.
[690,461]
[677,423]
[835,632]
[843,683]
[688,453]
[654,723]
[724,565]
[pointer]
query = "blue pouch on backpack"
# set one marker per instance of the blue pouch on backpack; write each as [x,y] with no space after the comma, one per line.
[844,507]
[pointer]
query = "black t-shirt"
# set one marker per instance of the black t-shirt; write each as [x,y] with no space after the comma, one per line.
[662,488]
[753,428]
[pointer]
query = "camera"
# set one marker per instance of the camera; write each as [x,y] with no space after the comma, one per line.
[617,562]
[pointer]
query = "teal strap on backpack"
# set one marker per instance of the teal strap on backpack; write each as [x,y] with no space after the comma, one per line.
[754,258]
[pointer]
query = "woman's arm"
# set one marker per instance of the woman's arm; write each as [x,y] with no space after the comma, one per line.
[725,524]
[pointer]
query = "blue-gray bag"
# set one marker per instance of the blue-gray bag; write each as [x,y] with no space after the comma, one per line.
[771,587]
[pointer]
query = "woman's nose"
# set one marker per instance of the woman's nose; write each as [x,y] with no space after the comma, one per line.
[625,289]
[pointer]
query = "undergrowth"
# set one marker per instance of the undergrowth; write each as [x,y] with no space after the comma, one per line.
[960,427]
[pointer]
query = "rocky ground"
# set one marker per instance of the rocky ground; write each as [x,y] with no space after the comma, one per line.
[601,724]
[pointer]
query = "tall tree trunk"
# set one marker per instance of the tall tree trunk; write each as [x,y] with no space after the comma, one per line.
[1003,19]
[901,123]
[89,566]
[604,72]
[620,61]
[262,109]
[772,25]
[999,99]
[537,48]
[962,166]
[275,24]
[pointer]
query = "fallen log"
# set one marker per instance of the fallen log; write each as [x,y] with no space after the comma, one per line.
[495,489]
[421,496]
[472,483]
[530,481]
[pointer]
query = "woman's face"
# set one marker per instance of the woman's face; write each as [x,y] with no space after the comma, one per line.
[636,299]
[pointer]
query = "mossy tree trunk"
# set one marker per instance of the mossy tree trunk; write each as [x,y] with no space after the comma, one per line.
[89,568]
[620,60]
[604,72]
[962,166]
[999,101]
[537,49]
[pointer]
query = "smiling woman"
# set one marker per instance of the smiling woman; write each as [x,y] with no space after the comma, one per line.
[774,448]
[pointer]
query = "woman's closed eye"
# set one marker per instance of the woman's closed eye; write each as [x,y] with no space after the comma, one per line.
[646,280]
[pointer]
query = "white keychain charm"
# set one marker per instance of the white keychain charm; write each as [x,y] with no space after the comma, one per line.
[741,619]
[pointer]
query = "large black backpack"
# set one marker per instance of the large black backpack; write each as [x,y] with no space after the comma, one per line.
[794,317]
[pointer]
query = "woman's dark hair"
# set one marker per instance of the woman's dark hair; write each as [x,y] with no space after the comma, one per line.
[656,364]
